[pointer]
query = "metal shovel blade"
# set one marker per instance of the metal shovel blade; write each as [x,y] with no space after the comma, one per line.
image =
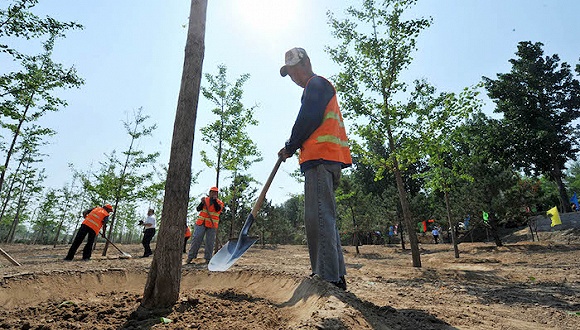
[233,249]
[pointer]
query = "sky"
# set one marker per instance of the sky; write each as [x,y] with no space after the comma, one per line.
[130,54]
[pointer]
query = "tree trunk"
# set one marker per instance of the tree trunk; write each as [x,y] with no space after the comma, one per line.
[9,192]
[14,138]
[531,228]
[563,194]
[493,225]
[416,255]
[163,282]
[451,225]
[17,216]
[402,236]
[355,231]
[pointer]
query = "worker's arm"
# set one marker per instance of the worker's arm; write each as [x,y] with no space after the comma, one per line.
[216,205]
[200,206]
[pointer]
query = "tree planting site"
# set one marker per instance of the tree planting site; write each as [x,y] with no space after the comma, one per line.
[521,285]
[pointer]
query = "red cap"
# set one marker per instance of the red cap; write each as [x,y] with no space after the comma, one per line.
[214,189]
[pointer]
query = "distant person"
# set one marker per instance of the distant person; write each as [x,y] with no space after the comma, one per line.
[435,233]
[148,232]
[95,219]
[187,236]
[206,225]
[391,234]
[320,135]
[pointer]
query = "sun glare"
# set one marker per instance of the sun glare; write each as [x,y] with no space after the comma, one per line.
[267,17]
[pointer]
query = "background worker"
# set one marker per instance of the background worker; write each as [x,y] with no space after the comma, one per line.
[207,223]
[435,233]
[187,236]
[320,134]
[148,232]
[95,219]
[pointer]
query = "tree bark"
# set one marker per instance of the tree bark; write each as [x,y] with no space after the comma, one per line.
[451,225]
[564,200]
[163,282]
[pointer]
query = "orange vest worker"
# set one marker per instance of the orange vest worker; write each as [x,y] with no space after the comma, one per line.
[328,141]
[94,219]
[210,218]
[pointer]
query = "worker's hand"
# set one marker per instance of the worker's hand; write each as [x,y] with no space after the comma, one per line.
[203,199]
[284,154]
[140,222]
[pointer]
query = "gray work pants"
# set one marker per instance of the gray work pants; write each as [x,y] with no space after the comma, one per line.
[324,247]
[198,234]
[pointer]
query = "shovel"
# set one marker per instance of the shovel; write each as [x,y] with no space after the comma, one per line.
[124,254]
[235,247]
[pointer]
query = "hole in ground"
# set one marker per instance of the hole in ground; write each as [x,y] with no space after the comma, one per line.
[110,299]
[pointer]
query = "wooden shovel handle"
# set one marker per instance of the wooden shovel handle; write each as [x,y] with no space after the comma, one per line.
[262,196]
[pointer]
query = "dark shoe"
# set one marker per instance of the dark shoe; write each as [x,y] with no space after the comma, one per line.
[341,284]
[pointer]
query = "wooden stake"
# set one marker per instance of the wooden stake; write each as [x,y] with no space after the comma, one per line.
[7,256]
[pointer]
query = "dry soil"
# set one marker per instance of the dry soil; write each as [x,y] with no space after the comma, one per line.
[522,285]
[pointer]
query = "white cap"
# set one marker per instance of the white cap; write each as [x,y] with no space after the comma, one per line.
[292,57]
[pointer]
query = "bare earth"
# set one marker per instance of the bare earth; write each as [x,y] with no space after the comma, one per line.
[523,285]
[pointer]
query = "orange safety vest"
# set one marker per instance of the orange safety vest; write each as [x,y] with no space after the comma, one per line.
[209,217]
[95,219]
[328,141]
[187,232]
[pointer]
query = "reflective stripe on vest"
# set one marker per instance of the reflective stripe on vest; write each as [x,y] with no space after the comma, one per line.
[94,219]
[210,218]
[328,141]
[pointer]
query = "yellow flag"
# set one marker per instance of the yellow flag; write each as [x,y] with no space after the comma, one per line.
[553,213]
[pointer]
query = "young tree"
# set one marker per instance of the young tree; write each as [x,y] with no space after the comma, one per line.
[227,136]
[25,96]
[66,196]
[372,57]
[45,222]
[163,282]
[30,92]
[482,139]
[540,100]
[131,183]
[436,140]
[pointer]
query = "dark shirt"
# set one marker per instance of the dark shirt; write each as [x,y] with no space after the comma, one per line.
[216,205]
[315,98]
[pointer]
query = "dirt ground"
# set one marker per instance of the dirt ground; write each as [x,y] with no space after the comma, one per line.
[522,285]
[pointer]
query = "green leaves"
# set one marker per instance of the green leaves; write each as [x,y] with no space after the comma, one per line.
[539,100]
[227,135]
[17,21]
